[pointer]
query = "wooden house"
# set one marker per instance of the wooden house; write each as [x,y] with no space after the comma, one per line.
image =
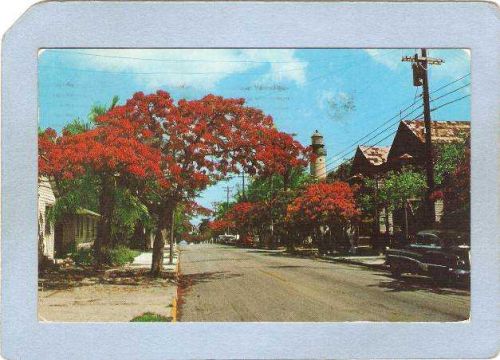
[408,146]
[370,162]
[76,231]
[46,200]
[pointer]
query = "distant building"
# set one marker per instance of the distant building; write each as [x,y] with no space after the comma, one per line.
[408,146]
[318,165]
[369,160]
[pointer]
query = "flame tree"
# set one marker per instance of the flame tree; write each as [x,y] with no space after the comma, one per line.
[321,207]
[167,153]
[116,155]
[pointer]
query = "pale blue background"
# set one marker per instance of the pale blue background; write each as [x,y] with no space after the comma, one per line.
[153,24]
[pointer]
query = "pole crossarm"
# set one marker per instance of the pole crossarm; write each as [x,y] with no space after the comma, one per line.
[424,59]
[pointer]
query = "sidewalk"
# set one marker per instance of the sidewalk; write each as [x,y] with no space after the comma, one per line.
[117,295]
[144,260]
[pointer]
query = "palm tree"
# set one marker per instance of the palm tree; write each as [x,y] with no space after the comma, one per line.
[77,126]
[98,109]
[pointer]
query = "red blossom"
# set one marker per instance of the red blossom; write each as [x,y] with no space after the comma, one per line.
[324,203]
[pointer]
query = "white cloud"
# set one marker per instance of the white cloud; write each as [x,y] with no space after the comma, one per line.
[283,64]
[199,68]
[391,58]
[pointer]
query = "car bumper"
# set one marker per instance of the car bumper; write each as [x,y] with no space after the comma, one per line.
[460,274]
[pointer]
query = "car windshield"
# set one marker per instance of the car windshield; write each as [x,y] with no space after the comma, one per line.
[456,238]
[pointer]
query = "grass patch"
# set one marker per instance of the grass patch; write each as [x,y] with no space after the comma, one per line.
[83,256]
[150,317]
[121,255]
[118,256]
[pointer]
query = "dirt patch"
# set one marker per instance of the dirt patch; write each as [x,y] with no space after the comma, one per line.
[83,294]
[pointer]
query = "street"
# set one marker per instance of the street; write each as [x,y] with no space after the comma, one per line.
[224,283]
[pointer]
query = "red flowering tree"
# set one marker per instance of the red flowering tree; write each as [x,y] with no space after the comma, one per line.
[218,226]
[281,155]
[323,207]
[456,195]
[200,142]
[117,155]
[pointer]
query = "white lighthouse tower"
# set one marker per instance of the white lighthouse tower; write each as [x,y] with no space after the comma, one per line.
[318,166]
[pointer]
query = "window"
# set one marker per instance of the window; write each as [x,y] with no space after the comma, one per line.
[429,240]
[47,222]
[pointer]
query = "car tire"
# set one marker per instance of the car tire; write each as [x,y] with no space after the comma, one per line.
[395,269]
[441,278]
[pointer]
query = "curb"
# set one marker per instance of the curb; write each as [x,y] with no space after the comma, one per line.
[173,312]
[359,263]
[345,261]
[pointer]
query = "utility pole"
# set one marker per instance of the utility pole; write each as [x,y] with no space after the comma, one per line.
[243,184]
[272,209]
[228,190]
[420,78]
[172,227]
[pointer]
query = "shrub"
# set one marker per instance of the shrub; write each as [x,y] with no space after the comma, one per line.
[83,256]
[120,256]
[150,317]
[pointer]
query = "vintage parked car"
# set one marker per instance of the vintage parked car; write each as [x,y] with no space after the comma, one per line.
[441,254]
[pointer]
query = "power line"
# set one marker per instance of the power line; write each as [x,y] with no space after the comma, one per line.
[450,102]
[372,146]
[450,83]
[340,153]
[433,109]
[450,92]
[200,60]
[377,128]
[161,72]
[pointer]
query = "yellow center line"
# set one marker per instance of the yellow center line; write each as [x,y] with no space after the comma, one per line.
[274,275]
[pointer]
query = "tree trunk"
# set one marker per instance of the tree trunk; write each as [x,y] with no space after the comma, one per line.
[106,204]
[164,222]
[286,180]
[387,226]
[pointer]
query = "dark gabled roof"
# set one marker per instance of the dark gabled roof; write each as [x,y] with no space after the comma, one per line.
[376,155]
[441,131]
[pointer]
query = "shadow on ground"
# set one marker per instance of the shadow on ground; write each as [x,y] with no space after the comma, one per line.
[287,266]
[74,277]
[188,280]
[417,283]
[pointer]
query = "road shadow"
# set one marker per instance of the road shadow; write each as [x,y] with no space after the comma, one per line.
[188,280]
[69,278]
[287,266]
[419,283]
[283,254]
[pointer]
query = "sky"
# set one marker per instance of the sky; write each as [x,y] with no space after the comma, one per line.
[343,93]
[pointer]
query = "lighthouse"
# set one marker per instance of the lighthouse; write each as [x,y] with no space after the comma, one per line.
[318,166]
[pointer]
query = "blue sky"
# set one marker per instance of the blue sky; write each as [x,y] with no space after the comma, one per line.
[344,93]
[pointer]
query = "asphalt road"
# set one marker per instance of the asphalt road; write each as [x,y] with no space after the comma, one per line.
[223,283]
